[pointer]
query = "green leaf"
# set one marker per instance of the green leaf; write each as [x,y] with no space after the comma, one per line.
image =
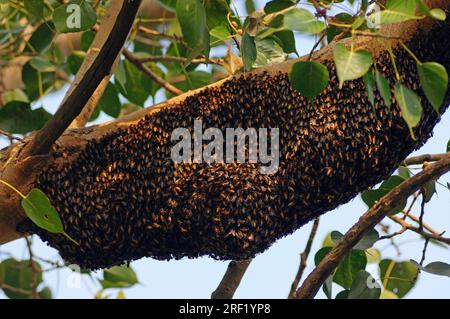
[309,78]
[369,80]
[35,7]
[401,277]
[219,34]
[277,5]
[328,287]
[42,65]
[395,11]
[327,241]
[409,105]
[169,4]
[302,20]
[110,102]
[35,81]
[194,80]
[404,172]
[75,16]
[119,277]
[132,83]
[435,13]
[434,81]
[248,51]
[45,293]
[268,51]
[18,118]
[436,268]
[366,242]
[86,40]
[429,190]
[343,294]
[38,208]
[192,18]
[438,14]
[351,65]
[75,60]
[350,265]
[373,255]
[287,41]
[384,88]
[364,287]
[41,39]
[387,294]
[370,197]
[40,211]
[448,146]
[250,6]
[14,95]
[216,13]
[18,274]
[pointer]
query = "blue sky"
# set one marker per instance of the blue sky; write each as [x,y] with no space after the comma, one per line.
[271,273]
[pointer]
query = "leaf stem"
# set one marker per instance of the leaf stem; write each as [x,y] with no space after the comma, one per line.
[13,188]
[397,75]
[70,238]
[410,52]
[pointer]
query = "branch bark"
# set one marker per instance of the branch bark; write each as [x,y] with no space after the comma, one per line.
[105,29]
[373,216]
[417,160]
[231,279]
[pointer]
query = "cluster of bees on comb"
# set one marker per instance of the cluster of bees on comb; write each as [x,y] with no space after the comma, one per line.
[124,198]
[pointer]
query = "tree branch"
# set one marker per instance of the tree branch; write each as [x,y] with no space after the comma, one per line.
[231,280]
[73,104]
[102,31]
[179,59]
[417,160]
[303,258]
[372,217]
[426,235]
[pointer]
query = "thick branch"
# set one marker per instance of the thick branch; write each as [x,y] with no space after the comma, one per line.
[102,32]
[72,106]
[372,217]
[231,280]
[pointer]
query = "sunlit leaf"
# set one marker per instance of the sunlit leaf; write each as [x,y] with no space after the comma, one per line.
[351,65]
[309,78]
[409,105]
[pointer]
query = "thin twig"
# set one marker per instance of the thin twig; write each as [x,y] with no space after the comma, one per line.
[159,34]
[424,251]
[34,271]
[168,58]
[429,235]
[303,258]
[10,136]
[133,58]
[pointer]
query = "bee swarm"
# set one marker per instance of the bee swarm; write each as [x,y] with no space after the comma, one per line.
[124,198]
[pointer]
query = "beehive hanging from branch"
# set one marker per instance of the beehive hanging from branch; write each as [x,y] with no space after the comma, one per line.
[124,198]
